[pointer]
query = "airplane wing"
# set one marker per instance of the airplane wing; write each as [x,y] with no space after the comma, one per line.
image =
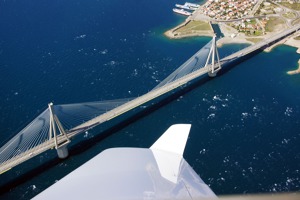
[135,173]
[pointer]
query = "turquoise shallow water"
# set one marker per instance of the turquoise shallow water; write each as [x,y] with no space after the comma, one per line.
[245,123]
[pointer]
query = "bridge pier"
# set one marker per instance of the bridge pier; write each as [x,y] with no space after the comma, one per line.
[212,74]
[214,57]
[62,151]
[55,125]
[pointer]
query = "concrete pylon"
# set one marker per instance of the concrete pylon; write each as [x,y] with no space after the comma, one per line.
[215,63]
[55,125]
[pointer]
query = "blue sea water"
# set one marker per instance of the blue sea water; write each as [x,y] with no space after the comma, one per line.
[245,123]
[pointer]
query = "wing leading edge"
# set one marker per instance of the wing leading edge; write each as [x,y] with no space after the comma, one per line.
[135,173]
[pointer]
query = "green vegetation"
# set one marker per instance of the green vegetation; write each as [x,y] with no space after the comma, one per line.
[264,10]
[258,10]
[296,21]
[289,15]
[194,26]
[253,21]
[294,6]
[258,33]
[275,24]
[297,38]
[254,40]
[253,33]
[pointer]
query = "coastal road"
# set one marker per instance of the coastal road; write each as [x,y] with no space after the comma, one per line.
[248,17]
[255,7]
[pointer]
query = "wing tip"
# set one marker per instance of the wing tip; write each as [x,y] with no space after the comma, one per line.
[174,139]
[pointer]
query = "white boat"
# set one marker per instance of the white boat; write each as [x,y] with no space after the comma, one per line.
[192,5]
[182,6]
[185,7]
[192,8]
[181,11]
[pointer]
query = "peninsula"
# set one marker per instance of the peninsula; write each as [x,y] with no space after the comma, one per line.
[242,21]
[297,71]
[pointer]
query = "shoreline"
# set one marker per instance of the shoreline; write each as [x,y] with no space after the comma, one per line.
[231,35]
[296,71]
[294,43]
[289,41]
[239,38]
[170,33]
[227,31]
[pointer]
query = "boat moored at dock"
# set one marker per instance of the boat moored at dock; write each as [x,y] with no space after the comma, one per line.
[192,5]
[185,7]
[182,12]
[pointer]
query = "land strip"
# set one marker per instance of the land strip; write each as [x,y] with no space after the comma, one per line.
[242,21]
[191,28]
[296,71]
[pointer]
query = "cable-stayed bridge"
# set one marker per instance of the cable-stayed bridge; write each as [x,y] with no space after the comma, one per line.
[55,127]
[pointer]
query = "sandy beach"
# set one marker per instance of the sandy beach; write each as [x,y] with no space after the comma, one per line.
[294,43]
[231,35]
[228,32]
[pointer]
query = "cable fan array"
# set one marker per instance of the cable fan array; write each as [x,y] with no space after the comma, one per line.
[70,115]
[196,62]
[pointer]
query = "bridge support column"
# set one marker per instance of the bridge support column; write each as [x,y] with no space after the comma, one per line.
[62,151]
[212,74]
[61,140]
[214,57]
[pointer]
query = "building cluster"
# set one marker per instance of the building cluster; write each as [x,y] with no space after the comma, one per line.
[251,27]
[268,8]
[228,9]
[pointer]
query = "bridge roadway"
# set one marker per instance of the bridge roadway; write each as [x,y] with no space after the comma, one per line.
[243,18]
[138,102]
[160,91]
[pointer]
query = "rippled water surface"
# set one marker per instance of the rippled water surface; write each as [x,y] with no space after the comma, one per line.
[245,124]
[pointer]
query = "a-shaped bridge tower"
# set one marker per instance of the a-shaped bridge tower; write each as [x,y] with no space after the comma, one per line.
[214,59]
[55,127]
[59,123]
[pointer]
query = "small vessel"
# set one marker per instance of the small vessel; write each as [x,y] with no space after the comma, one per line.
[182,6]
[181,11]
[192,5]
[185,7]
[192,8]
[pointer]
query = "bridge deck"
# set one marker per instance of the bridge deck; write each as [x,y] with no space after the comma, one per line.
[49,144]
[138,101]
[102,118]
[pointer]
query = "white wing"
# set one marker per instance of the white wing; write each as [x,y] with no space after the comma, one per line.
[135,173]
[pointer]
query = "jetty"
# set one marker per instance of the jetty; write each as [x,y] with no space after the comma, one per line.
[296,71]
